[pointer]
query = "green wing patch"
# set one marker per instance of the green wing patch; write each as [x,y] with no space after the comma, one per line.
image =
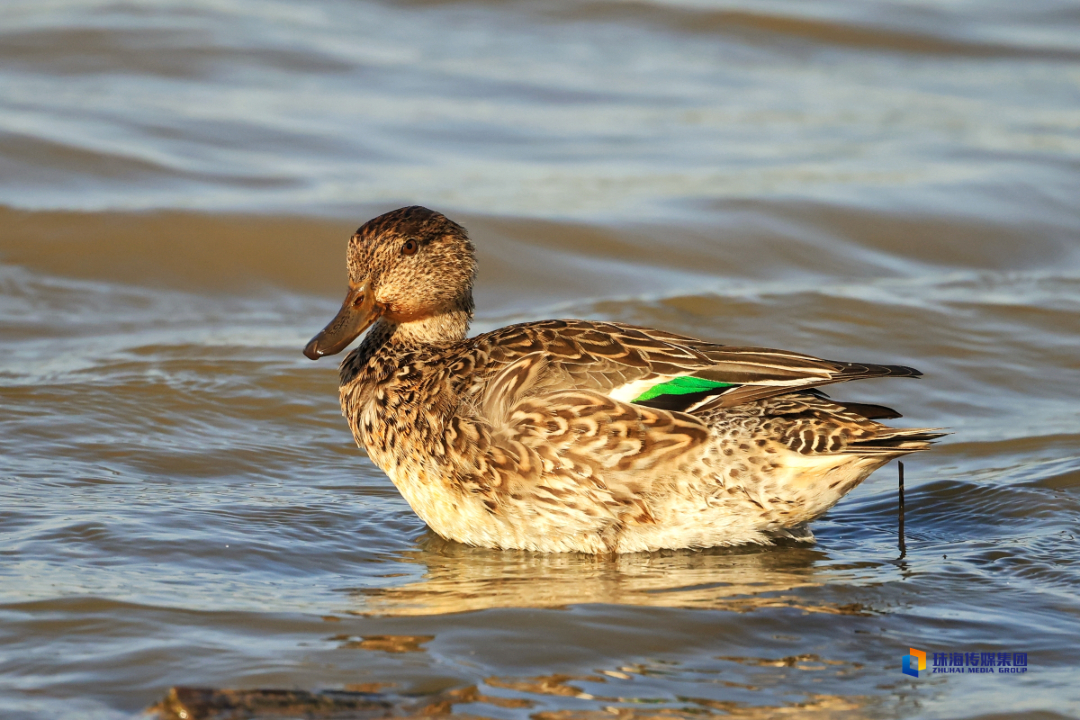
[682,385]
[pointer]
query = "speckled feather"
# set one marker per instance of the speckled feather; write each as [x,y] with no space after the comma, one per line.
[525,438]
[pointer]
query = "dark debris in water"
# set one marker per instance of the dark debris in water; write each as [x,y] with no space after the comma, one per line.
[185,703]
[192,703]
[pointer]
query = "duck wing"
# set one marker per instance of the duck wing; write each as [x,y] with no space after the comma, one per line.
[651,368]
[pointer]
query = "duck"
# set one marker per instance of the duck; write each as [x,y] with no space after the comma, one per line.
[585,436]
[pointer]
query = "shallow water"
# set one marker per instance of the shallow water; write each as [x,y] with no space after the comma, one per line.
[181,503]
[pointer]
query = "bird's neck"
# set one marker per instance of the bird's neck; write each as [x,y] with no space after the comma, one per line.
[445,327]
[374,359]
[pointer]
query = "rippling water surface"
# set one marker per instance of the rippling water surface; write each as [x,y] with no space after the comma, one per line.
[182,505]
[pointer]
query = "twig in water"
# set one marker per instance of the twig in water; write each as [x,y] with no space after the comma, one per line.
[903,545]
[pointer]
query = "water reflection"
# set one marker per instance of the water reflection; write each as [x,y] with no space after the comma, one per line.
[817,706]
[384,643]
[459,578]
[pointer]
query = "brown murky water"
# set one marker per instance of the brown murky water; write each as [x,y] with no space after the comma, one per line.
[181,504]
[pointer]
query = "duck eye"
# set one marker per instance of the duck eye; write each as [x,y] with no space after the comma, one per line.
[409,248]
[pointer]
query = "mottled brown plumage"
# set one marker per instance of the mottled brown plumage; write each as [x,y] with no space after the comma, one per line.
[568,435]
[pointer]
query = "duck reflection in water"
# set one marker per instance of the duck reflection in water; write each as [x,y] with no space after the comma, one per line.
[458,578]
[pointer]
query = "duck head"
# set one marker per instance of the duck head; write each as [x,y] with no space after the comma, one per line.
[412,268]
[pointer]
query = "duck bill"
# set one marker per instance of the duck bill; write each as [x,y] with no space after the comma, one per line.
[356,315]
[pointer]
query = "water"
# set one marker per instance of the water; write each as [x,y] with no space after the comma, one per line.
[181,503]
